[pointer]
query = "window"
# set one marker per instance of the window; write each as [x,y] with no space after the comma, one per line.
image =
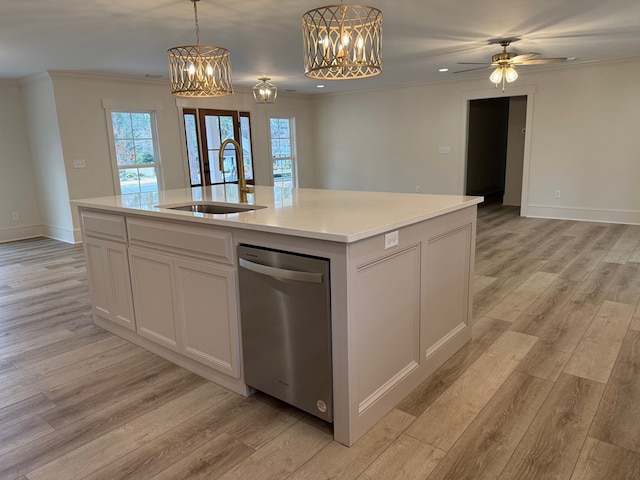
[281,132]
[135,151]
[205,130]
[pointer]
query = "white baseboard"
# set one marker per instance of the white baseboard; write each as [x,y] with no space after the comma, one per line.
[60,234]
[629,217]
[511,200]
[20,233]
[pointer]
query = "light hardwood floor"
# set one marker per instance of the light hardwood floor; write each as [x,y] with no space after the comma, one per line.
[548,388]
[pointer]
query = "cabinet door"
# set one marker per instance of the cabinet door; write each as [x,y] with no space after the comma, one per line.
[208,314]
[97,271]
[152,278]
[108,270]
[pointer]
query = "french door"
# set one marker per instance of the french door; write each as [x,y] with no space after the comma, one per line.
[205,130]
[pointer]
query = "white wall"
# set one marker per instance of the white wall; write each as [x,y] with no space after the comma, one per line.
[515,151]
[48,161]
[67,122]
[299,107]
[18,191]
[582,139]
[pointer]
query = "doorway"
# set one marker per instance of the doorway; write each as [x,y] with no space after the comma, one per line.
[205,131]
[495,149]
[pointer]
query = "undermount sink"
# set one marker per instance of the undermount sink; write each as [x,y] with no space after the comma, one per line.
[213,208]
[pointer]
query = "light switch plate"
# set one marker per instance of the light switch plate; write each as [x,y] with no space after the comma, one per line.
[80,163]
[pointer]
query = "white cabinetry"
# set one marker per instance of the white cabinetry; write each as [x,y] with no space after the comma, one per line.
[184,286]
[108,267]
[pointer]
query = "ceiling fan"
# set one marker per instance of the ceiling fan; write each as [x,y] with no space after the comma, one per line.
[505,63]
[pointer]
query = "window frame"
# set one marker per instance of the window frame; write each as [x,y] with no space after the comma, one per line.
[111,107]
[293,144]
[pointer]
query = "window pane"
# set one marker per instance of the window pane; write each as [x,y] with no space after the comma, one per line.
[125,153]
[148,179]
[144,151]
[138,180]
[193,153]
[121,122]
[283,162]
[283,128]
[245,141]
[141,123]
[135,145]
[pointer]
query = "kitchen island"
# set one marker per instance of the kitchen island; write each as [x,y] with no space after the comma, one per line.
[401,268]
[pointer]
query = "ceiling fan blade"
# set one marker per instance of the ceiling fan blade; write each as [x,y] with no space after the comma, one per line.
[542,61]
[472,69]
[523,57]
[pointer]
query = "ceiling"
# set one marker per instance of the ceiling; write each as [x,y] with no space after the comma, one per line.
[127,37]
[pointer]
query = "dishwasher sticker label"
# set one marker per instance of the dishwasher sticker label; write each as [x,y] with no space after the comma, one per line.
[321,406]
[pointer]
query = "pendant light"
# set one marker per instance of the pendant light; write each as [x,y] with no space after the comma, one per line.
[342,42]
[200,70]
[265,91]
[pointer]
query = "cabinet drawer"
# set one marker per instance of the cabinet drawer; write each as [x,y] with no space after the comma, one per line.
[105,225]
[182,239]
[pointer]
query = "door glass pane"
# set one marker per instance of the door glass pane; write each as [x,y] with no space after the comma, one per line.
[218,126]
[230,173]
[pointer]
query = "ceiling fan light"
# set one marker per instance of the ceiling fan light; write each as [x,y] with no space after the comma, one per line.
[510,74]
[342,42]
[265,91]
[496,75]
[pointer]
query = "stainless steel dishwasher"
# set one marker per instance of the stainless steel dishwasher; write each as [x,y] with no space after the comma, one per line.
[286,327]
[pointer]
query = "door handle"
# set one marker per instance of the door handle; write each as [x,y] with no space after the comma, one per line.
[281,273]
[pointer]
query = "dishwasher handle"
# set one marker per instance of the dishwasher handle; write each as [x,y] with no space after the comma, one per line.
[281,273]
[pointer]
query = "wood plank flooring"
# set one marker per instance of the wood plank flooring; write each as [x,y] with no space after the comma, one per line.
[548,387]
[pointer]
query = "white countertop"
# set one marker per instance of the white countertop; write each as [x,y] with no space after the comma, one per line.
[335,215]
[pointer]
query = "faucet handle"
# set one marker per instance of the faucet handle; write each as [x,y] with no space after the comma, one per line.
[249,189]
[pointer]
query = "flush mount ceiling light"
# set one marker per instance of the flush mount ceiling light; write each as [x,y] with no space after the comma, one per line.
[265,91]
[200,70]
[342,42]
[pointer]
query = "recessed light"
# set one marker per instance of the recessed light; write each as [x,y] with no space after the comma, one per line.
[319,86]
[443,69]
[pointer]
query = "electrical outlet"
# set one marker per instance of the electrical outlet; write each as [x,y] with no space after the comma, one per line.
[557,194]
[418,188]
[15,215]
[391,239]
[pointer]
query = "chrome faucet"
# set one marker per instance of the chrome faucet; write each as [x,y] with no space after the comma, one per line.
[242,181]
